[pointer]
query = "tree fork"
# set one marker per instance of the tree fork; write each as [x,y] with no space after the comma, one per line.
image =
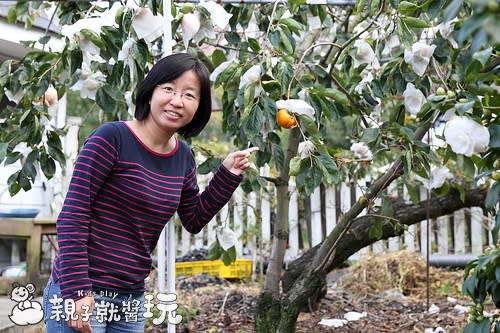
[293,301]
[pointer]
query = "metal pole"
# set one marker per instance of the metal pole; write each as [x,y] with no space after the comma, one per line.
[170,233]
[161,261]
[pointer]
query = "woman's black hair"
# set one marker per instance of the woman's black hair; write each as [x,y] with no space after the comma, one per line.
[167,70]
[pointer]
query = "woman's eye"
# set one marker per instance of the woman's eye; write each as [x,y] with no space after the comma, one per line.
[189,96]
[168,89]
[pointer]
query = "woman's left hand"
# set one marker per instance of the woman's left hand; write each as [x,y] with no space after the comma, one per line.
[238,162]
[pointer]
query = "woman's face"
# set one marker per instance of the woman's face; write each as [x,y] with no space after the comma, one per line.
[174,104]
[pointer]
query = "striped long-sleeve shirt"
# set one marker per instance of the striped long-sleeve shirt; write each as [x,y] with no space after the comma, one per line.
[120,197]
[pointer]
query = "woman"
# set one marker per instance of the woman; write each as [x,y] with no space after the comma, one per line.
[129,180]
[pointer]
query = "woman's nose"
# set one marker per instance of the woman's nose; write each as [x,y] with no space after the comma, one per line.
[176,98]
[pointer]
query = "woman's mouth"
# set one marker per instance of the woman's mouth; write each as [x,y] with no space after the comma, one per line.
[172,114]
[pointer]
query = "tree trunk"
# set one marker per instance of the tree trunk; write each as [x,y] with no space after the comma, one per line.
[268,309]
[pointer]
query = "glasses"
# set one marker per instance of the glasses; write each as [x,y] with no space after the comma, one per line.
[186,96]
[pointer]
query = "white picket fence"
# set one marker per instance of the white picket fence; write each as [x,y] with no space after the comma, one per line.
[467,231]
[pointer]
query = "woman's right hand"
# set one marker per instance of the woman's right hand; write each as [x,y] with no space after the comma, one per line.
[84,305]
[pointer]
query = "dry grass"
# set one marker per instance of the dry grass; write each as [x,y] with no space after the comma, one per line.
[403,271]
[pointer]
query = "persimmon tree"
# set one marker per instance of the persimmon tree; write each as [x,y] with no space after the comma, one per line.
[400,91]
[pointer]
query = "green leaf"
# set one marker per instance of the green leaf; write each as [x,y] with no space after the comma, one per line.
[5,70]
[291,24]
[407,163]
[24,181]
[57,154]
[284,74]
[466,165]
[406,35]
[310,175]
[28,167]
[3,150]
[43,84]
[107,97]
[187,8]
[24,116]
[211,164]
[495,293]
[76,58]
[414,22]
[252,181]
[294,166]
[47,165]
[12,15]
[255,121]
[337,96]
[254,44]
[14,186]
[93,37]
[229,256]
[496,229]
[218,57]
[214,251]
[297,2]
[12,157]
[452,10]
[494,130]
[407,8]
[375,232]
[232,253]
[44,39]
[469,27]
[233,38]
[387,206]
[492,197]
[278,154]
[469,286]
[309,125]
[229,74]
[370,135]
[286,41]
[481,327]
[328,168]
[274,38]
[248,97]
[483,56]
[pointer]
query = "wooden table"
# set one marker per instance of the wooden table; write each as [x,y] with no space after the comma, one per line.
[31,230]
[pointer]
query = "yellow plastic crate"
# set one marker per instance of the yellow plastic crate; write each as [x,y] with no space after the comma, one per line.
[239,269]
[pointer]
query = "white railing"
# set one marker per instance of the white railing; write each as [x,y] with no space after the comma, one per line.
[467,231]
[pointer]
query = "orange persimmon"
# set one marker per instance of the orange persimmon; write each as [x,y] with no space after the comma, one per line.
[285,119]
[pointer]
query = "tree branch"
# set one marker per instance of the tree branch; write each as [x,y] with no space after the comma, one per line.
[326,253]
[491,66]
[406,214]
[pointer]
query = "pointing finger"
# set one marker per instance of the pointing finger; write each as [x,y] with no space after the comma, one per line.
[251,149]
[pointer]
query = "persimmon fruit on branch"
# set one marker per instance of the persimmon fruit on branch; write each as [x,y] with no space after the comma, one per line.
[286,119]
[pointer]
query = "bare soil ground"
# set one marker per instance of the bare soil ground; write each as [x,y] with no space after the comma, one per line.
[391,290]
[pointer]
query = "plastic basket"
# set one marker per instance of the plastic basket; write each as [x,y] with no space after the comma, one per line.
[241,268]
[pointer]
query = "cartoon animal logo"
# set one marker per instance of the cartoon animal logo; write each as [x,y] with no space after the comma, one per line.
[27,311]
